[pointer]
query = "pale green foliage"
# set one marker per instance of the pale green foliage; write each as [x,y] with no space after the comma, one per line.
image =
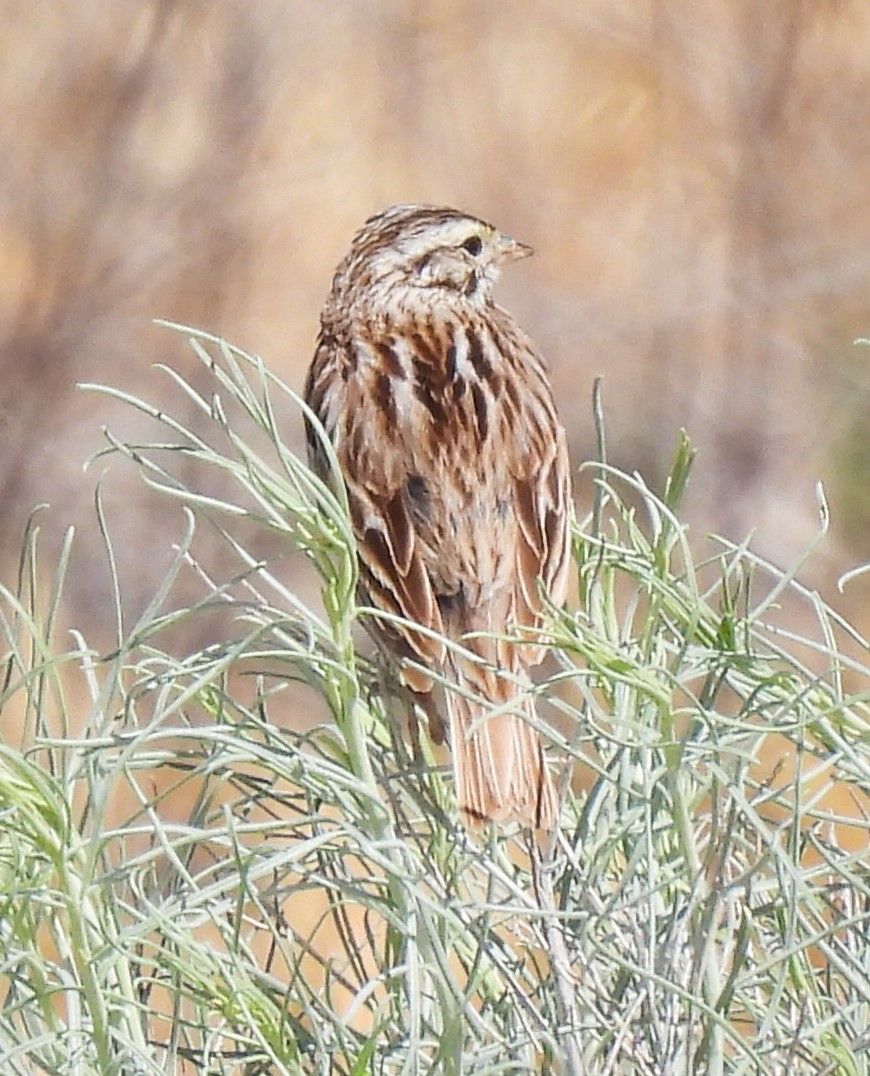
[702,911]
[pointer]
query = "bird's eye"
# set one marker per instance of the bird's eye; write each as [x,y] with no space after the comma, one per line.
[473,244]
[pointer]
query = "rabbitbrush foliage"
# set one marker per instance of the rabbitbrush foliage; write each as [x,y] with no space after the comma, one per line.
[190,885]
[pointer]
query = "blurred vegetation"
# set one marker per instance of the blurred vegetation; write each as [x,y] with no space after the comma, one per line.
[693,178]
[188,887]
[851,453]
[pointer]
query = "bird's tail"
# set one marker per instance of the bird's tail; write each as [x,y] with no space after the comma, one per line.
[498,761]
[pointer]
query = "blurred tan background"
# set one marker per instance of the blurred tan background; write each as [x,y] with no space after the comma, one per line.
[695,179]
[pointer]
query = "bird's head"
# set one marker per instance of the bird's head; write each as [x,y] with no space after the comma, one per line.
[430,252]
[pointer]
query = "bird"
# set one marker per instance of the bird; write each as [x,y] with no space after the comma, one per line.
[441,415]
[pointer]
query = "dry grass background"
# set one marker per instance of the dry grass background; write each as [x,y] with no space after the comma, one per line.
[694,178]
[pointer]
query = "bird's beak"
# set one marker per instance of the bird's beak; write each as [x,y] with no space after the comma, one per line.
[511,250]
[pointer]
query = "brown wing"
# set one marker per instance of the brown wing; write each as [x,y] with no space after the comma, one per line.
[346,397]
[393,576]
[542,503]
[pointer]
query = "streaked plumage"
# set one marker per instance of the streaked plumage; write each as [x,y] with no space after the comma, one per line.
[443,421]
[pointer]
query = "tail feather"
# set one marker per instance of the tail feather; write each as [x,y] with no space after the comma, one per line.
[498,761]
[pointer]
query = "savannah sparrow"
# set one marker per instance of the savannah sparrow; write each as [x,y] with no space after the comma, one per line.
[440,411]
